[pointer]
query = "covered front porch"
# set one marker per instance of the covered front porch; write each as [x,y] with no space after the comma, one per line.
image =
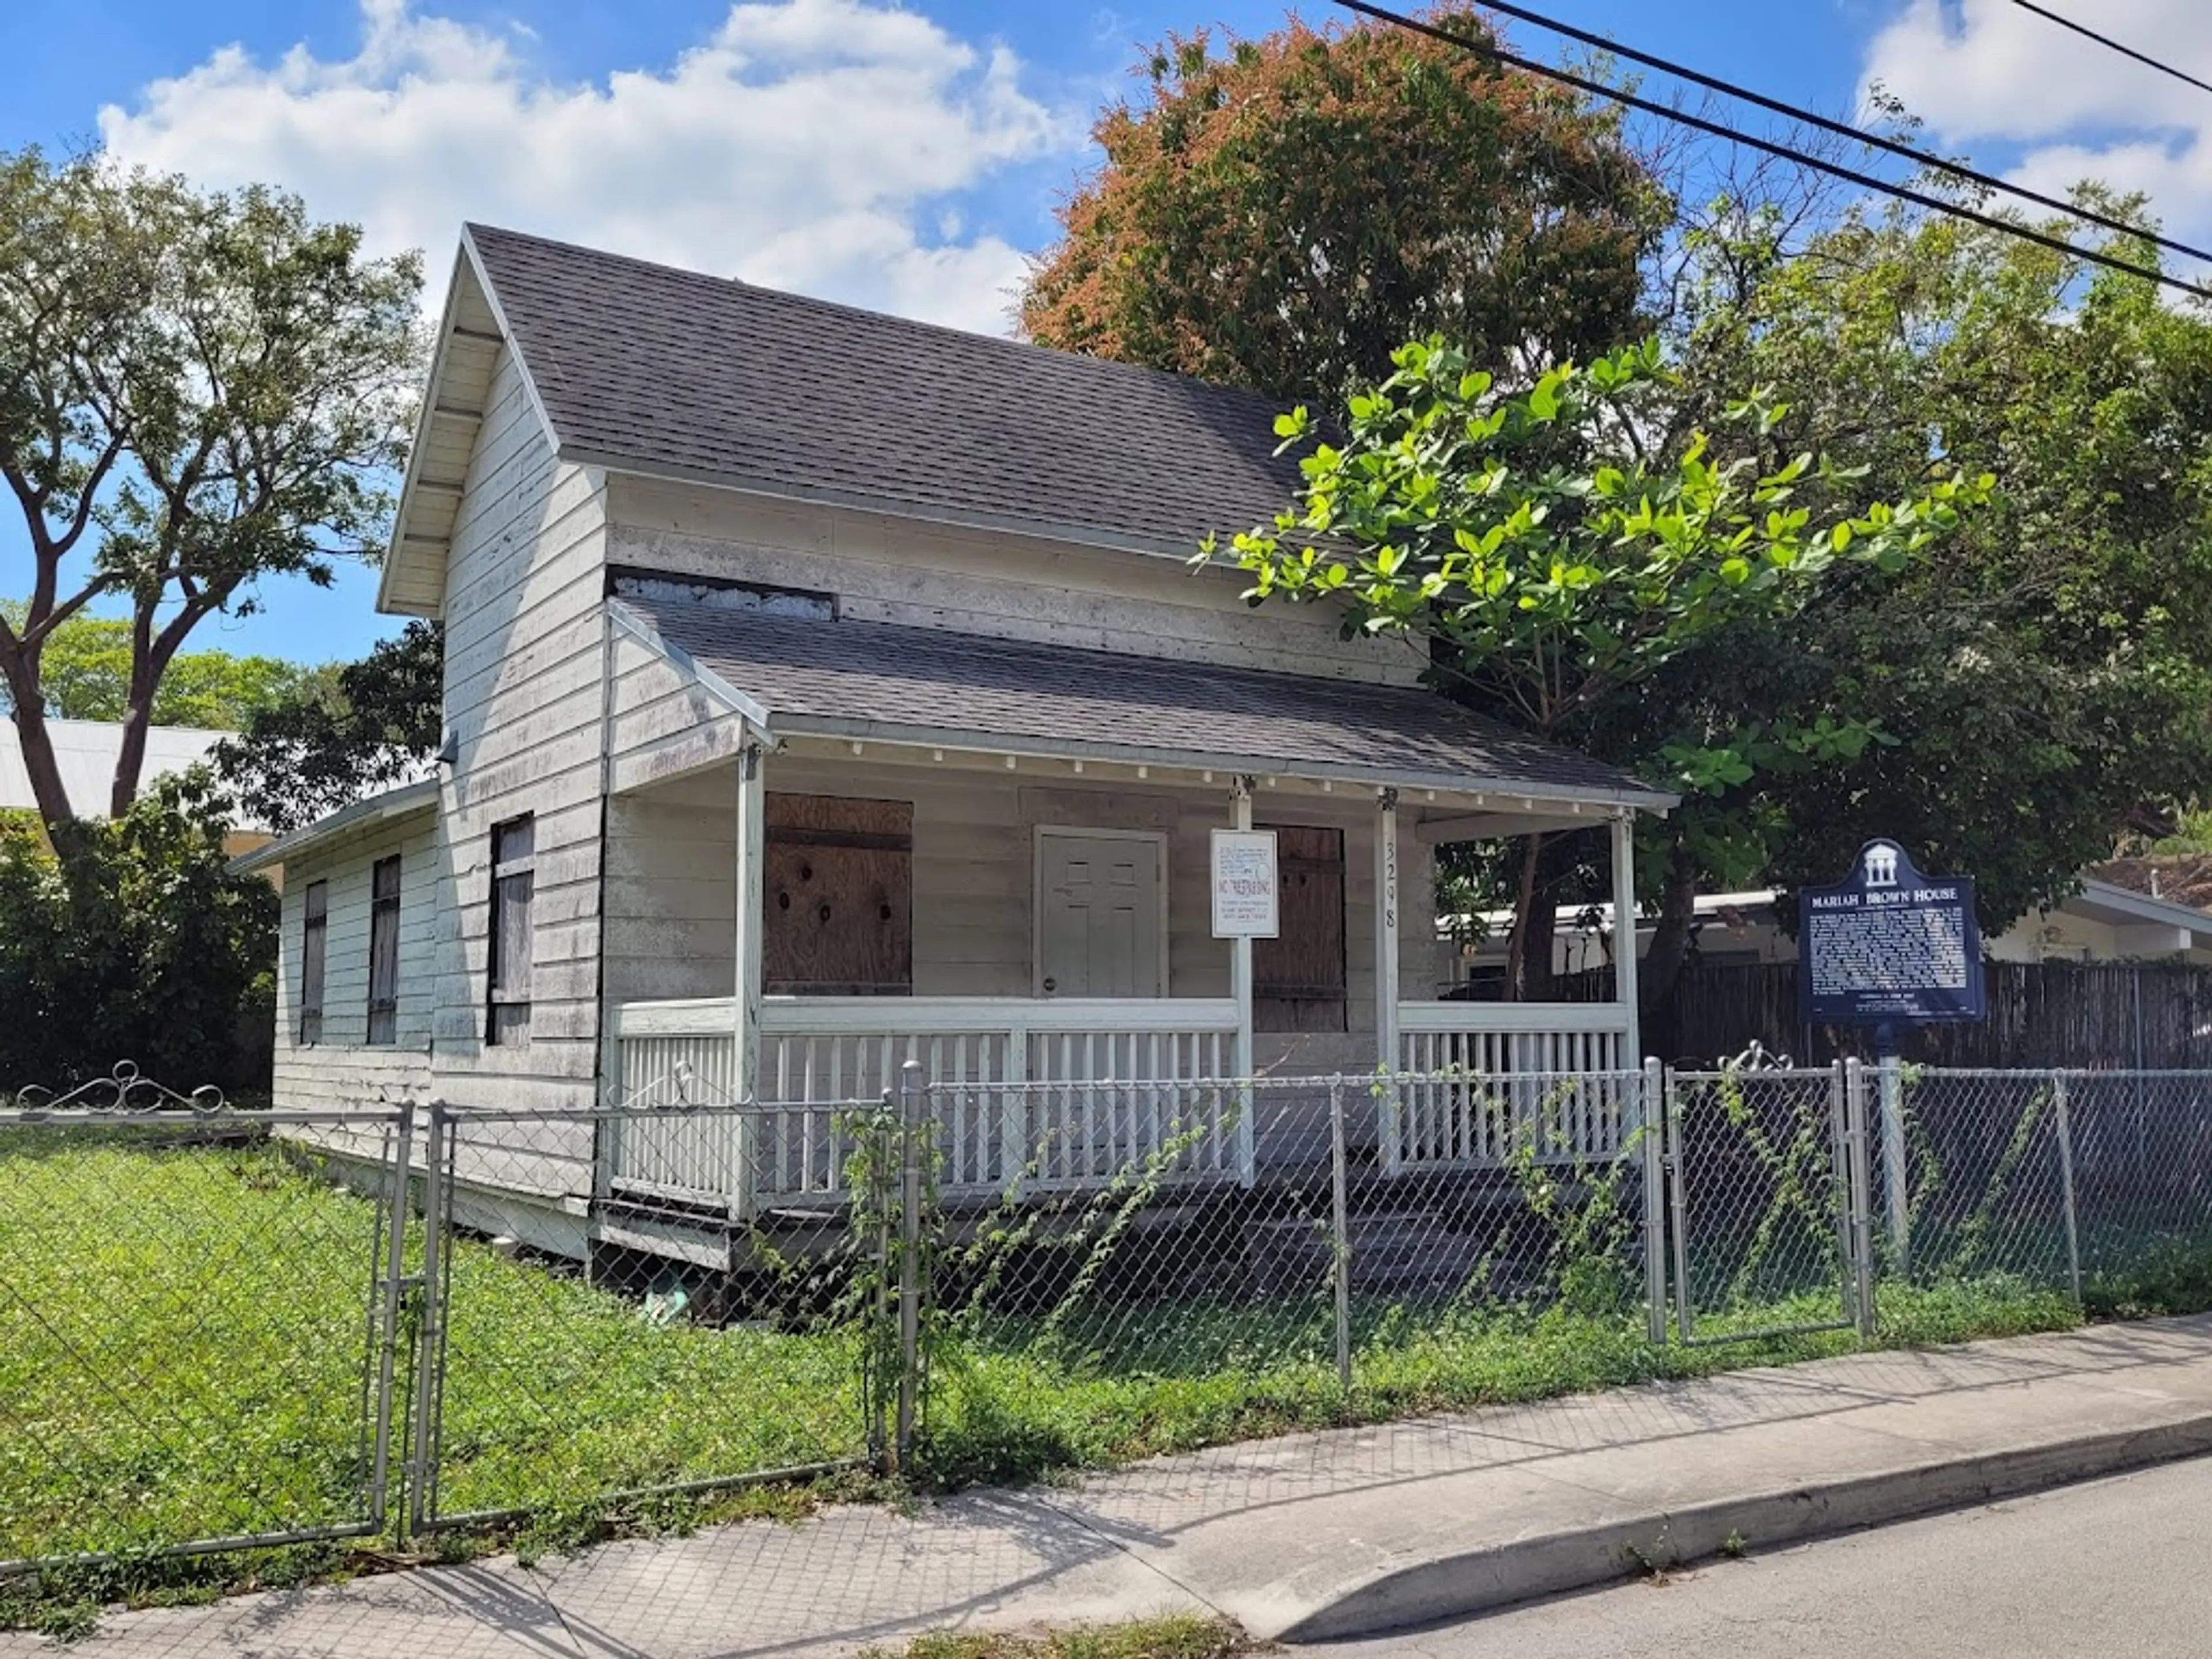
[1017,899]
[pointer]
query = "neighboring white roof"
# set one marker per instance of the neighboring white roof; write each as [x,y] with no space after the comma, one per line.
[2098,901]
[85,751]
[2108,901]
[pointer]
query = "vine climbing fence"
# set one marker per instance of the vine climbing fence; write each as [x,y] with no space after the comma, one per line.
[223,1328]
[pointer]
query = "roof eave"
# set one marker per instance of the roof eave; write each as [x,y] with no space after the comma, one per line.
[406,552]
[404,801]
[2142,908]
[1634,799]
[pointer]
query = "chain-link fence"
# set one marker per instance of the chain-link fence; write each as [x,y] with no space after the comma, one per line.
[222,1328]
[631,1302]
[226,1329]
[1765,1180]
[2095,1183]
[1983,1195]
[1379,1228]
[197,1338]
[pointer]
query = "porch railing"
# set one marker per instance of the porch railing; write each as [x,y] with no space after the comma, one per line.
[1104,1085]
[1517,1060]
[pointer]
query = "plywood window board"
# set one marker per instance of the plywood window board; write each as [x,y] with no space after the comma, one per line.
[1299,976]
[838,897]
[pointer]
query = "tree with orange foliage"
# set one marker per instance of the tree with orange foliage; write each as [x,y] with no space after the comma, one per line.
[1285,213]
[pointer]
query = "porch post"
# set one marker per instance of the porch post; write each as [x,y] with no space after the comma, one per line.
[1386,932]
[752,853]
[1240,948]
[1624,933]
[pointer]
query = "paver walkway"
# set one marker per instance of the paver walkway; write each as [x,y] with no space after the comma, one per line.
[1312,1534]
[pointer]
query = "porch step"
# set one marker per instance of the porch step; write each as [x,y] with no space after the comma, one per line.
[1391,1250]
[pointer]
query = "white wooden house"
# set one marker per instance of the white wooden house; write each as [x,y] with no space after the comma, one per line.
[825,689]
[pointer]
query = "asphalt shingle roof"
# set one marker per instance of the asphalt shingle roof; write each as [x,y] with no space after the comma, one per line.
[657,368]
[883,679]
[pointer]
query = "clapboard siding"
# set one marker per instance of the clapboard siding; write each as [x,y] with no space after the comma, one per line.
[996,585]
[344,1069]
[524,646]
[670,906]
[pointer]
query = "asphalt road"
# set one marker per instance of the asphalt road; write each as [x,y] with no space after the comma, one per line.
[2117,1569]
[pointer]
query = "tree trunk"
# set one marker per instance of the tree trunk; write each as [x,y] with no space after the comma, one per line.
[1538,961]
[1670,938]
[150,655]
[130,754]
[1524,908]
[36,742]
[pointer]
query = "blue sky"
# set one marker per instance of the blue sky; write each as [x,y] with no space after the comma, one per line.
[905,159]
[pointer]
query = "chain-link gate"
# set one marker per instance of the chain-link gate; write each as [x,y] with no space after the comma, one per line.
[199,1328]
[1767,1182]
[710,1316]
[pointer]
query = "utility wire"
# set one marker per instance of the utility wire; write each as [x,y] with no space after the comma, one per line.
[1720,129]
[2084,31]
[1844,130]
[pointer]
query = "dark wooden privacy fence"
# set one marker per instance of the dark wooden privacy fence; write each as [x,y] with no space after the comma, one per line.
[2093,1015]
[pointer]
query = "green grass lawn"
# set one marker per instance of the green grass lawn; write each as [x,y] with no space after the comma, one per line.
[185,1346]
[185,1343]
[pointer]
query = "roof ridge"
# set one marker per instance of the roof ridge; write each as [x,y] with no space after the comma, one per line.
[1163,377]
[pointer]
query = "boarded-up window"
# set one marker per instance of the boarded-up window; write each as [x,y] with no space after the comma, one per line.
[839,897]
[384,950]
[1297,977]
[314,931]
[513,877]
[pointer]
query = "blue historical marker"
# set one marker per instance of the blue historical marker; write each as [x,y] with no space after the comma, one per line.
[1890,946]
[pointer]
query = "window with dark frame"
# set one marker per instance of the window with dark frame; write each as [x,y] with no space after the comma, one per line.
[314,931]
[514,875]
[384,950]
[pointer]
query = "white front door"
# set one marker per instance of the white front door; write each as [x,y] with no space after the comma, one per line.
[1098,915]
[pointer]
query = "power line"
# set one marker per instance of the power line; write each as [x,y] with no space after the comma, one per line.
[1844,130]
[1720,129]
[2087,33]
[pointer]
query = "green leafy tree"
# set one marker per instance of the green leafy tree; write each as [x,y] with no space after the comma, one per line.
[341,733]
[2042,680]
[1282,213]
[132,939]
[196,393]
[1552,560]
[85,673]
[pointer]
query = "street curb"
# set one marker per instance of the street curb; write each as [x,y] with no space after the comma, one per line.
[1460,1586]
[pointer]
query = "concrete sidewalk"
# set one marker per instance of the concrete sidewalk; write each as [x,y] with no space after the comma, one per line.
[1339,1534]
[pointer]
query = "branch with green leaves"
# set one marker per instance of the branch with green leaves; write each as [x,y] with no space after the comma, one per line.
[1540,536]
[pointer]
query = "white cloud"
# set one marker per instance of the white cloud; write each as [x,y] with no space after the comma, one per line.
[1987,73]
[804,144]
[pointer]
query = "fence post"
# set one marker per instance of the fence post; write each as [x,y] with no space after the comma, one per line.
[1389,1119]
[1894,1183]
[1340,1233]
[1858,1175]
[913,1126]
[391,1309]
[1650,1117]
[430,1333]
[1678,1184]
[2065,1125]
